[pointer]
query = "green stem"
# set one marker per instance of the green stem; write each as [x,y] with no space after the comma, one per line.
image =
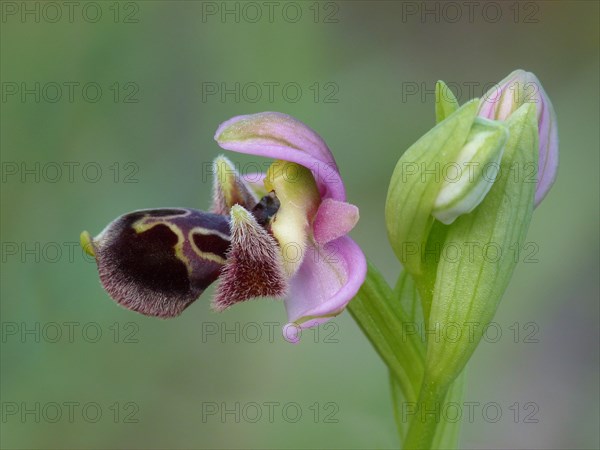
[382,314]
[424,425]
[448,431]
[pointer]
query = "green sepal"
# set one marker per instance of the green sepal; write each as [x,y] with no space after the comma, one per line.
[463,192]
[411,195]
[445,101]
[87,243]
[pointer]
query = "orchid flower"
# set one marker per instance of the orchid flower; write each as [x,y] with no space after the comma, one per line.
[285,239]
[332,267]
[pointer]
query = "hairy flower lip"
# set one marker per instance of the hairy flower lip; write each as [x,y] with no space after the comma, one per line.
[252,268]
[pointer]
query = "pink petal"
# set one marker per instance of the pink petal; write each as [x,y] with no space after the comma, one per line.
[498,102]
[548,156]
[333,220]
[329,277]
[279,136]
[503,99]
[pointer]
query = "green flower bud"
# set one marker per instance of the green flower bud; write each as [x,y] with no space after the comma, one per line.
[476,168]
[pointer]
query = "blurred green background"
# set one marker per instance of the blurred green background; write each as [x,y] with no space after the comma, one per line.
[147,383]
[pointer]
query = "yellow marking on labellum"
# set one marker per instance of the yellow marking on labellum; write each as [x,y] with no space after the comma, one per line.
[206,231]
[142,225]
[206,255]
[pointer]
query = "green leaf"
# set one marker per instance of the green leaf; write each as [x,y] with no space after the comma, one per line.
[398,401]
[375,310]
[431,256]
[408,301]
[447,432]
[445,101]
[405,301]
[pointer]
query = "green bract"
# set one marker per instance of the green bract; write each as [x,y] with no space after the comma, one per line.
[445,101]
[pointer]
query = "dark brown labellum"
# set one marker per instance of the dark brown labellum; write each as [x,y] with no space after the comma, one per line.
[158,261]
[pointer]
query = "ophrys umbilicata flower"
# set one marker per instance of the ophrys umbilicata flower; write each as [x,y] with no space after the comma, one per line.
[285,238]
